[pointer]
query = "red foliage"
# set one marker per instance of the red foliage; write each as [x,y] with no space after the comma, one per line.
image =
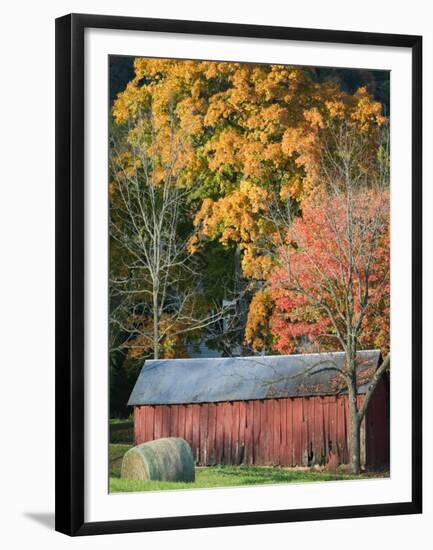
[333,276]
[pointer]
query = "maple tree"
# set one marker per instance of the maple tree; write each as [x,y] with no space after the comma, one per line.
[331,285]
[309,288]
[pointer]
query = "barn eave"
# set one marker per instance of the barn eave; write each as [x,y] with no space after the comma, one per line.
[194,381]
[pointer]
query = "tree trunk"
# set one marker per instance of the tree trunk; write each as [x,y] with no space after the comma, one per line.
[354,420]
[155,326]
[355,442]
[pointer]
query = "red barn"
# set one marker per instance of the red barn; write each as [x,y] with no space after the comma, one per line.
[270,410]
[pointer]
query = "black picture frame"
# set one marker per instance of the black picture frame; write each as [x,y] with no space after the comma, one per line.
[70,282]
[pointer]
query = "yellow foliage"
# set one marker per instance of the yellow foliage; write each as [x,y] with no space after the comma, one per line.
[257,331]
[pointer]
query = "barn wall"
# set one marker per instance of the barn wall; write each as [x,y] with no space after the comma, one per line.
[288,432]
[377,427]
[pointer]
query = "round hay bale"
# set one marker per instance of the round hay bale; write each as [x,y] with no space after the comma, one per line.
[166,459]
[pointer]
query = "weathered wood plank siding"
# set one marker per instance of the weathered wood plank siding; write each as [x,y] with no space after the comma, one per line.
[287,432]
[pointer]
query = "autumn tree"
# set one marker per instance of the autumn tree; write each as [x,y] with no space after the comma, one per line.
[331,286]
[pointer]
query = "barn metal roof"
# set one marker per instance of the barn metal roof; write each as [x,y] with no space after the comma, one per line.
[175,381]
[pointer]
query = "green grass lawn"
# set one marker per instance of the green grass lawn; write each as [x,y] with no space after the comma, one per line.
[222,476]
